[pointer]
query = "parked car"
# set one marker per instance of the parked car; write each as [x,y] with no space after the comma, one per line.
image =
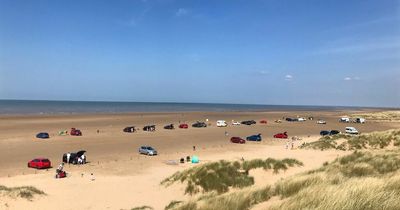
[184,125]
[254,137]
[289,119]
[199,125]
[334,132]
[321,122]
[169,127]
[235,123]
[330,133]
[344,119]
[75,132]
[359,120]
[147,150]
[149,128]
[39,163]
[43,135]
[263,121]
[281,135]
[221,123]
[351,130]
[278,121]
[324,133]
[73,158]
[130,129]
[238,140]
[301,119]
[248,122]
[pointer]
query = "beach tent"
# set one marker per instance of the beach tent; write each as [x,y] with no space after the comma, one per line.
[195,159]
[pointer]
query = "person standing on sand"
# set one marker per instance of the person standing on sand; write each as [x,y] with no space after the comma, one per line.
[68,157]
[194,148]
[92,177]
[287,145]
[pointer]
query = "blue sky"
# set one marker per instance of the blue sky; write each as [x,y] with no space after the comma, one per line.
[309,52]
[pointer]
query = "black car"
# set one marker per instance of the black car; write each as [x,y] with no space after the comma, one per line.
[130,129]
[330,133]
[248,122]
[289,119]
[324,133]
[169,127]
[199,125]
[43,135]
[74,157]
[334,132]
[149,128]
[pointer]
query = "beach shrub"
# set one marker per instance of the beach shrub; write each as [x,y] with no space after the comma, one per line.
[27,192]
[376,140]
[172,204]
[220,176]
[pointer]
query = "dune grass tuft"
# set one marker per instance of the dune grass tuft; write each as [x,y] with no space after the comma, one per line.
[27,192]
[142,208]
[361,180]
[375,140]
[220,176]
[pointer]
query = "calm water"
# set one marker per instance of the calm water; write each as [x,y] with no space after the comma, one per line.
[11,107]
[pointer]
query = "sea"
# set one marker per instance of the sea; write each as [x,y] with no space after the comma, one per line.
[42,107]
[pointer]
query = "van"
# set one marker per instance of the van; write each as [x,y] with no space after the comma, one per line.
[221,123]
[351,130]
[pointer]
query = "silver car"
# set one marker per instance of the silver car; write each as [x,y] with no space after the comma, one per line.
[147,150]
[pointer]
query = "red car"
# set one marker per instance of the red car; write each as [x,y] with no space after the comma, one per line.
[281,135]
[183,126]
[39,163]
[238,140]
[75,132]
[263,122]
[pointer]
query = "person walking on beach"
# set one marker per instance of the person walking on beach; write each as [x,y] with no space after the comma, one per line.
[194,148]
[287,145]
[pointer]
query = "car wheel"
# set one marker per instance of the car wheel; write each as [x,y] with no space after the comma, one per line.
[29,165]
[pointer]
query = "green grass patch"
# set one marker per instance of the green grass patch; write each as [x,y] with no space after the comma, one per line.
[222,175]
[27,192]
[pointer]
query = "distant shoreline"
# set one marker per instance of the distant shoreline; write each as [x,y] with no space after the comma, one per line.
[51,108]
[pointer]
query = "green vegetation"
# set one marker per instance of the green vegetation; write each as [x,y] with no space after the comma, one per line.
[361,180]
[142,208]
[220,176]
[27,192]
[380,116]
[172,204]
[374,140]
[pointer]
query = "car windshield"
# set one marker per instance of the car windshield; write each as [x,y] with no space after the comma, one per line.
[150,148]
[45,160]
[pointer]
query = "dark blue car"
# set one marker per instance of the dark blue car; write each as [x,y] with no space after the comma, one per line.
[42,136]
[254,137]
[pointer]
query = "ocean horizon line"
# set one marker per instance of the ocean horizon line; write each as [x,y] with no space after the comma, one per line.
[60,107]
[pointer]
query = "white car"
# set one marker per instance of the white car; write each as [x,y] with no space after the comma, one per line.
[344,119]
[221,123]
[351,130]
[235,123]
[321,122]
[301,119]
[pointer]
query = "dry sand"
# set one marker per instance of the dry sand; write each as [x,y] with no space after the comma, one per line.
[124,179]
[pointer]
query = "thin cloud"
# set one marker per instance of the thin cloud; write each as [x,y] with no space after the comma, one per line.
[351,78]
[134,21]
[181,12]
[371,46]
[288,77]
[263,72]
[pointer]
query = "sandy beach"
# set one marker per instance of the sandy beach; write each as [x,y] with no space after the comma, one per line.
[123,178]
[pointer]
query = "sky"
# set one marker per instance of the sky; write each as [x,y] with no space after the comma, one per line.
[305,52]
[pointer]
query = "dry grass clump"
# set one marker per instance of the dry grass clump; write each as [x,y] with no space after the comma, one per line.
[381,139]
[222,175]
[240,200]
[380,116]
[27,192]
[361,180]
